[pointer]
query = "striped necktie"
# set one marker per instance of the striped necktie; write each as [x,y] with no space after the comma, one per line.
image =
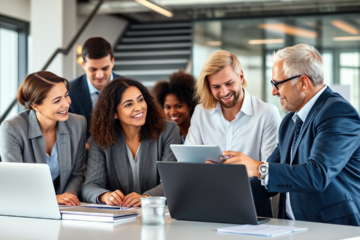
[298,125]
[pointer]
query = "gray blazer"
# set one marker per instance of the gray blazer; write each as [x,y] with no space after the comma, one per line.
[21,140]
[109,169]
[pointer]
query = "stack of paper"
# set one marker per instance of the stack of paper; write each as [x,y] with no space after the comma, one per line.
[97,214]
[261,230]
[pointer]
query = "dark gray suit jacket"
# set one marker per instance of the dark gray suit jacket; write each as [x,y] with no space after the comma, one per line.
[21,140]
[81,101]
[109,169]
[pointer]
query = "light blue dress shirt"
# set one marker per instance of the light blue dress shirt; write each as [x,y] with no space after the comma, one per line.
[53,162]
[94,92]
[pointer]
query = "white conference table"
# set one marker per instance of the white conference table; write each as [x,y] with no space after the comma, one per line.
[18,228]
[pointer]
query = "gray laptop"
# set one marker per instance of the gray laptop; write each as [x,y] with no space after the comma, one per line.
[208,192]
[27,190]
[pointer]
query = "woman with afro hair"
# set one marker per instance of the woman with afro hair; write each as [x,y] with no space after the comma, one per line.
[176,98]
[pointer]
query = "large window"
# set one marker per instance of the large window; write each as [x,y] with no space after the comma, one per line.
[337,37]
[13,60]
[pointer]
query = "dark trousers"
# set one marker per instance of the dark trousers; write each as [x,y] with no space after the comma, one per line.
[264,209]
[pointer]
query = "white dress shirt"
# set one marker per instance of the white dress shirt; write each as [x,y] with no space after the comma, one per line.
[254,131]
[303,113]
[94,92]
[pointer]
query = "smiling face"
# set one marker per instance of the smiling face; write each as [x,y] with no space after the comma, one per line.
[55,106]
[226,86]
[289,93]
[132,108]
[175,110]
[98,70]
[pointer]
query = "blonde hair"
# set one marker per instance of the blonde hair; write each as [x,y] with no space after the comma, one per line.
[214,64]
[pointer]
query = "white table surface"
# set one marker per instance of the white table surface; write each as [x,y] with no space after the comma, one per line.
[16,228]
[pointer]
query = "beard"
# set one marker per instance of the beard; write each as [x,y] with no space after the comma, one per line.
[232,103]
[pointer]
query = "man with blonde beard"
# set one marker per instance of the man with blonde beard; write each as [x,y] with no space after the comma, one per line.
[228,116]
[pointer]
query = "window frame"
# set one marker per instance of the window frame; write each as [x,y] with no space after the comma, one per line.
[22,28]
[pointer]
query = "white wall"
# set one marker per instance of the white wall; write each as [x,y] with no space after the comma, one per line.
[108,27]
[53,23]
[19,9]
[47,23]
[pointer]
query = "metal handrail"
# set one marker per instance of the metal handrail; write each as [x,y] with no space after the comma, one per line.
[64,51]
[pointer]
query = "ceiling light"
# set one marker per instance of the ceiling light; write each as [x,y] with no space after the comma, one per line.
[265,41]
[345,27]
[155,7]
[351,38]
[214,43]
[290,30]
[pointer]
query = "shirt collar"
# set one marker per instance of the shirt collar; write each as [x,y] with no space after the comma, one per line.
[245,108]
[92,89]
[34,130]
[304,111]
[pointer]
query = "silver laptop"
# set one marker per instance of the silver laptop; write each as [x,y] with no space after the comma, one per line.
[196,153]
[27,190]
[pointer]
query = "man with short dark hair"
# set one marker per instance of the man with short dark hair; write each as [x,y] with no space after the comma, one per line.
[98,62]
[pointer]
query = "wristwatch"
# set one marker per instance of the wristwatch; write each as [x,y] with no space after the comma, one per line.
[263,170]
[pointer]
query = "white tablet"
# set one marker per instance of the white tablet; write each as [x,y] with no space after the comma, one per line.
[196,153]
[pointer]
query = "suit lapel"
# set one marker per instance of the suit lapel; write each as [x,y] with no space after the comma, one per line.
[64,151]
[84,96]
[319,102]
[36,138]
[147,149]
[121,162]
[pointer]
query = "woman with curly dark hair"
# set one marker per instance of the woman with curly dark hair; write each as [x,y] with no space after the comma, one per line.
[128,137]
[176,98]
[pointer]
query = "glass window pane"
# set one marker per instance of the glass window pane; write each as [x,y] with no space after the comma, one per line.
[8,69]
[254,40]
[349,59]
[350,77]
[328,68]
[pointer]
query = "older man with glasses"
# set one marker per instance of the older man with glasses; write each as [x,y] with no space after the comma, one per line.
[316,165]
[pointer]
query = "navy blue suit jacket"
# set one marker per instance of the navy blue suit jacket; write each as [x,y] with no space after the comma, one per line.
[324,178]
[80,99]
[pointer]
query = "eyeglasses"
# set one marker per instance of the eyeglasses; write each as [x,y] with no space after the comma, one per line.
[275,84]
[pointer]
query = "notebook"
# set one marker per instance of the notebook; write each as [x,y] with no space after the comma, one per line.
[261,230]
[98,215]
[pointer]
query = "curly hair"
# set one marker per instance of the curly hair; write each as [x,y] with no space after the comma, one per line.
[181,84]
[105,129]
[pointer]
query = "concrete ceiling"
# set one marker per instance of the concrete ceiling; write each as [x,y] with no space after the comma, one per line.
[206,9]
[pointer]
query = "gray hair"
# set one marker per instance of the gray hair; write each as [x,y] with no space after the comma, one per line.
[301,59]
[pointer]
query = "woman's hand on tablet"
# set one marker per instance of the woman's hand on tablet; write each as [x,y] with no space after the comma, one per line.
[68,199]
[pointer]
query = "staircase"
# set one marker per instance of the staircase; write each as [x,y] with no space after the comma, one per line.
[150,52]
